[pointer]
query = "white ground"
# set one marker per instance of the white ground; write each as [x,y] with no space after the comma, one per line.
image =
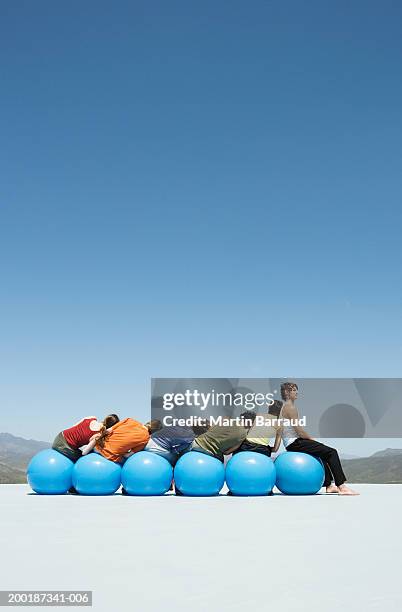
[321,553]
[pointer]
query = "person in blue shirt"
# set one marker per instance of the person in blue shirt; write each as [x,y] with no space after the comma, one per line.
[172,442]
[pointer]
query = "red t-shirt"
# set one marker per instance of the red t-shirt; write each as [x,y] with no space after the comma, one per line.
[79,434]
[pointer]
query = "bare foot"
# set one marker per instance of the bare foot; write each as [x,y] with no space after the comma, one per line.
[344,490]
[332,489]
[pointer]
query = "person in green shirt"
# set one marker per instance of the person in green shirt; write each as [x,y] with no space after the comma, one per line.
[221,440]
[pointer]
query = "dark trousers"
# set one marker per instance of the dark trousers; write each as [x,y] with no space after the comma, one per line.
[60,444]
[329,457]
[255,448]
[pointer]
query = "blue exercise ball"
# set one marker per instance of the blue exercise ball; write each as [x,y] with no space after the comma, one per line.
[95,475]
[50,473]
[298,474]
[199,474]
[146,473]
[249,473]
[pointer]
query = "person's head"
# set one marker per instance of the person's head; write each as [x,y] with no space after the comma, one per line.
[153,426]
[107,423]
[110,420]
[276,408]
[289,391]
[248,418]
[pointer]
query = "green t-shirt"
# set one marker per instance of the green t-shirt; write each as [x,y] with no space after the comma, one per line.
[220,438]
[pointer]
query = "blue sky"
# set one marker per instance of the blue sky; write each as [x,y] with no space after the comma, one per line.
[195,190]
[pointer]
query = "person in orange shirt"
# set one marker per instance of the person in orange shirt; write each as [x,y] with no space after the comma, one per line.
[122,440]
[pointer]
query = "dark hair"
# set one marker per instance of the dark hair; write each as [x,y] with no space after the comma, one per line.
[275,408]
[248,418]
[108,421]
[153,426]
[286,388]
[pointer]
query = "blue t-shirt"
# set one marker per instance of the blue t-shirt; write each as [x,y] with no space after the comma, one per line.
[174,439]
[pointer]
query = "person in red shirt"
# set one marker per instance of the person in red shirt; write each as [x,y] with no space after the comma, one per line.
[71,440]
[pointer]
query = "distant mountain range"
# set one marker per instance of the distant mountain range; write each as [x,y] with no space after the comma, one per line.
[388,452]
[344,456]
[15,454]
[383,467]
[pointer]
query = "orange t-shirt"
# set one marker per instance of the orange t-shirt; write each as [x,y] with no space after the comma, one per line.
[127,435]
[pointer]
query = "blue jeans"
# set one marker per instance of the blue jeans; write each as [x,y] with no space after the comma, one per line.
[162,452]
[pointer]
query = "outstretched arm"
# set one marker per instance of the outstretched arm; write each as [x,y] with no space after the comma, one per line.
[91,444]
[278,440]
